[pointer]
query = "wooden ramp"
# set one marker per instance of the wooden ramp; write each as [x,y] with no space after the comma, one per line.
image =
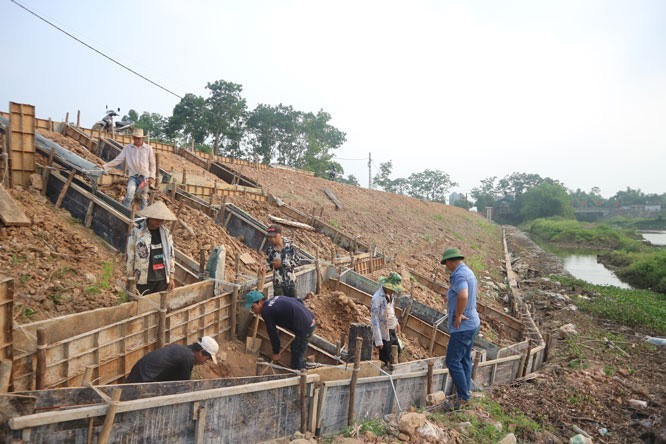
[10,213]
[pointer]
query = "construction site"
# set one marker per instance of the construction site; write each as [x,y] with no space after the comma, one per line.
[73,324]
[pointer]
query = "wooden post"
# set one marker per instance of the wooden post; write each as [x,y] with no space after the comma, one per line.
[432,339]
[318,271]
[237,267]
[184,181]
[67,118]
[477,358]
[5,375]
[394,354]
[91,206]
[303,395]
[87,378]
[161,323]
[202,264]
[110,416]
[47,171]
[527,359]
[61,196]
[354,379]
[547,349]
[174,188]
[78,118]
[41,359]
[372,251]
[431,366]
[131,284]
[174,224]
[234,309]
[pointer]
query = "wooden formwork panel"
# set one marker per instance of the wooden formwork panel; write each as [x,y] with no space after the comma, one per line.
[363,266]
[209,317]
[21,142]
[6,318]
[497,371]
[81,137]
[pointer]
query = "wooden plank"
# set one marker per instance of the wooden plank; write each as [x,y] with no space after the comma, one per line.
[247,259]
[10,213]
[290,223]
[331,196]
[21,143]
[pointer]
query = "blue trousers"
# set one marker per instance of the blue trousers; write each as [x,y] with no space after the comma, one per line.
[459,361]
[133,189]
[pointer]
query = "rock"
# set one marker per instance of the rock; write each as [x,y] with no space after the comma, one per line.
[567,330]
[430,433]
[508,439]
[463,425]
[369,436]
[580,439]
[409,422]
[637,403]
[36,181]
[436,398]
[91,278]
[403,437]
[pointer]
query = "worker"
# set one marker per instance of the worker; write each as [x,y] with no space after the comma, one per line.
[463,322]
[288,313]
[282,258]
[150,254]
[382,316]
[140,160]
[174,362]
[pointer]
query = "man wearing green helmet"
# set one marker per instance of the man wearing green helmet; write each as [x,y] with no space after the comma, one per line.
[464,322]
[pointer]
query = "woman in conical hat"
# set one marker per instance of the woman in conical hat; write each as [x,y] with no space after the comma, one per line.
[150,255]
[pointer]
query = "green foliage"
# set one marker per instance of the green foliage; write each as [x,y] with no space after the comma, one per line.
[583,235]
[430,185]
[645,270]
[25,278]
[334,223]
[28,312]
[376,426]
[154,123]
[438,217]
[633,308]
[546,200]
[350,180]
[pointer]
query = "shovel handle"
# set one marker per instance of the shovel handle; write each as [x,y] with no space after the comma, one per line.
[255,327]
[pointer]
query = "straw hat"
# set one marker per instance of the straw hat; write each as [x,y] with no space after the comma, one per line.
[158,210]
[138,132]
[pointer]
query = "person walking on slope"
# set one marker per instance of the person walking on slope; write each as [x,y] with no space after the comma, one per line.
[463,322]
[285,312]
[150,255]
[173,362]
[382,316]
[140,159]
[282,259]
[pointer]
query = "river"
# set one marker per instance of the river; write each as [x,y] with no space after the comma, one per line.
[654,237]
[583,265]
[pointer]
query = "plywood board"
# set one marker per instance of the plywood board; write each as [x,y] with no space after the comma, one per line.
[10,213]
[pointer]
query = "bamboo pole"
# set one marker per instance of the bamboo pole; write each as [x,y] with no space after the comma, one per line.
[303,386]
[431,366]
[161,326]
[318,271]
[432,338]
[237,267]
[234,309]
[110,416]
[41,358]
[354,379]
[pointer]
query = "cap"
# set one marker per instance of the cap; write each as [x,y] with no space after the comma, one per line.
[210,346]
[251,297]
[452,253]
[273,230]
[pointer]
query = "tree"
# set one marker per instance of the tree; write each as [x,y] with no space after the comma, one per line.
[484,196]
[517,183]
[350,180]
[463,203]
[383,178]
[547,199]
[430,185]
[321,138]
[225,116]
[272,130]
[188,119]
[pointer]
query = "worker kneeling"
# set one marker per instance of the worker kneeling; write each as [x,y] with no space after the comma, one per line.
[174,362]
[286,312]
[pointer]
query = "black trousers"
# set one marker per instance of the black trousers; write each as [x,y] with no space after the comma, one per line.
[279,290]
[386,353]
[152,287]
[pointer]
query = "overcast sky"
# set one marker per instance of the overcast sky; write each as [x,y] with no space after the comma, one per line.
[572,90]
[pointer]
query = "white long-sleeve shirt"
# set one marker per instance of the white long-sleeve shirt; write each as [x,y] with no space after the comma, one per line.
[140,160]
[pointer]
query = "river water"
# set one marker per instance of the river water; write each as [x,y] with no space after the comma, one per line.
[654,237]
[583,265]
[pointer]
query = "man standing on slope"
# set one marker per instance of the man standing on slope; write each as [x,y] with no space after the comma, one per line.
[464,323]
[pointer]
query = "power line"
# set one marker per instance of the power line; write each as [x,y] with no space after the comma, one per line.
[97,51]
[342,158]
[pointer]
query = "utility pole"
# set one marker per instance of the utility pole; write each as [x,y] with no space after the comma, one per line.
[369,171]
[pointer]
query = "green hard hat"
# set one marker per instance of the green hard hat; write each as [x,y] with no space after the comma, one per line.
[452,253]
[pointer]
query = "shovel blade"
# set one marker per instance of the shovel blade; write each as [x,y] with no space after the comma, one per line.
[252,345]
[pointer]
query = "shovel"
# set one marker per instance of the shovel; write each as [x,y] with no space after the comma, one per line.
[253,344]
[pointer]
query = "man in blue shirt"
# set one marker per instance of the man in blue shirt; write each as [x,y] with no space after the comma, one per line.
[464,322]
[286,312]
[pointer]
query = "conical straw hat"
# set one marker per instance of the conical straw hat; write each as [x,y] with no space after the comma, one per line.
[158,210]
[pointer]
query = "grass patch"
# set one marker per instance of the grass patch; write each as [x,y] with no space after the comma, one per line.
[376,426]
[633,308]
[25,278]
[483,430]
[585,235]
[334,223]
[438,217]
